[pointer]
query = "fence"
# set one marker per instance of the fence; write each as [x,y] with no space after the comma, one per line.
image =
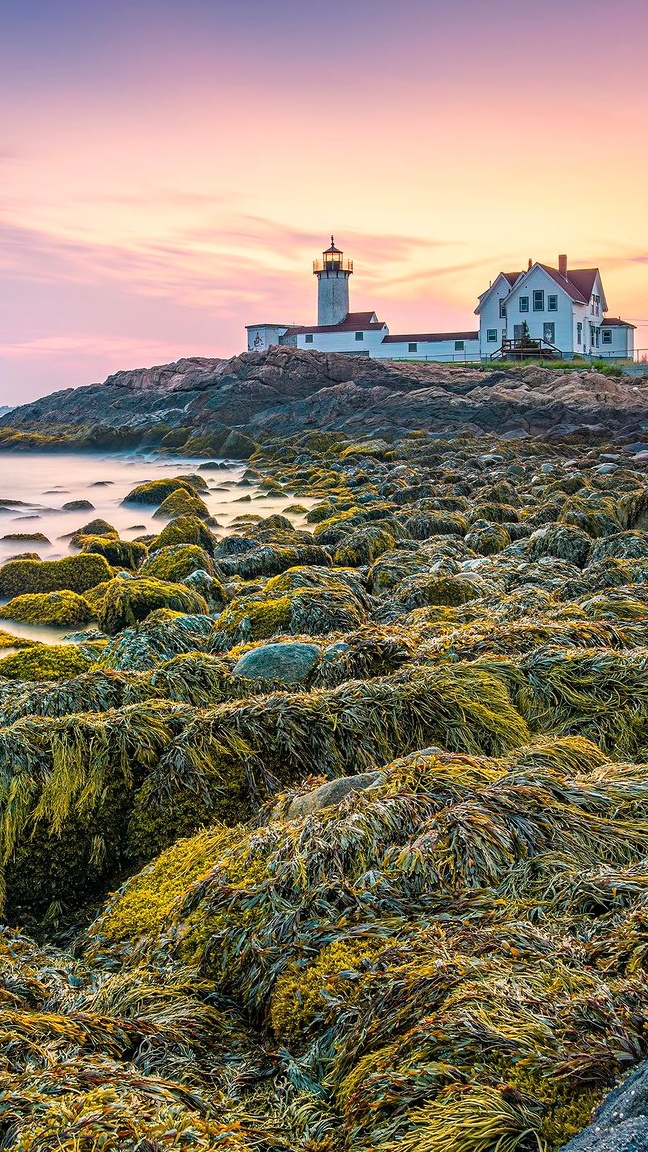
[639,361]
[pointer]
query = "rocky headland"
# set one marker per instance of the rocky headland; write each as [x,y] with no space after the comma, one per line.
[206,407]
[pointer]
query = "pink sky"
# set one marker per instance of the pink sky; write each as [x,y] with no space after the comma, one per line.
[168,173]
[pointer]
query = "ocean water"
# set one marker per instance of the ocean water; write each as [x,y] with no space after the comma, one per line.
[34,487]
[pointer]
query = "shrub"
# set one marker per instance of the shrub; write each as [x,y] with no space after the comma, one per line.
[127,602]
[73,573]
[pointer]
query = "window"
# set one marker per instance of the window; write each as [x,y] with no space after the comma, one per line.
[491,335]
[549,333]
[579,333]
[359,335]
[538,300]
[606,336]
[459,345]
[502,309]
[308,338]
[412,347]
[552,303]
[524,303]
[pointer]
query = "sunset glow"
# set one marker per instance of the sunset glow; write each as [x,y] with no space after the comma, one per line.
[168,172]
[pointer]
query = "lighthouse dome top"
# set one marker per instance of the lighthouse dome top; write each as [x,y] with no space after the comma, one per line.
[332,261]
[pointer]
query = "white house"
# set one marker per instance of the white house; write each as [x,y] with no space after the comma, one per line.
[561,310]
[552,310]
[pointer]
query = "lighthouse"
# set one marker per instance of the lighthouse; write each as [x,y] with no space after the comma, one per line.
[333,273]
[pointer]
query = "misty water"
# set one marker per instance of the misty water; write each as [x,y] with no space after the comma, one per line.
[34,487]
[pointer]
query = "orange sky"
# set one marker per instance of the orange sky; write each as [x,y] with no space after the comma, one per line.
[167,174]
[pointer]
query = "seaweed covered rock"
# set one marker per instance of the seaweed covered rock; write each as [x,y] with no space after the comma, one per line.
[362,546]
[185,530]
[72,573]
[127,602]
[419,591]
[96,527]
[46,662]
[421,525]
[182,502]
[486,539]
[209,587]
[119,553]
[561,541]
[177,561]
[621,546]
[287,663]
[307,611]
[271,559]
[62,609]
[153,492]
[163,635]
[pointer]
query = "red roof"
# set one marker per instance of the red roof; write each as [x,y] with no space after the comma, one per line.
[512,276]
[354,322]
[430,337]
[578,283]
[615,322]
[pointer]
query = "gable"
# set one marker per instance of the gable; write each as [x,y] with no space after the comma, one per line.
[541,277]
[505,281]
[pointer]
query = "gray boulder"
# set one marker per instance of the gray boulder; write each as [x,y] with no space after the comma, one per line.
[621,1122]
[331,793]
[288,663]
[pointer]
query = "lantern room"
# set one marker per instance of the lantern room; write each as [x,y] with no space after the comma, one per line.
[332,262]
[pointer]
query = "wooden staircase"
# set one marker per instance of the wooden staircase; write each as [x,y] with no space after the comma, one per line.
[527,349]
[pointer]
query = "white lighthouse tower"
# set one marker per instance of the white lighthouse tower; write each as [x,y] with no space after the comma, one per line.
[333,273]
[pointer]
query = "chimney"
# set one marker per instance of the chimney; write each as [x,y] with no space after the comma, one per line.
[562,266]
[530,264]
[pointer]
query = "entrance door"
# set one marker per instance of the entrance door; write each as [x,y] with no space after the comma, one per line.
[518,332]
[550,333]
